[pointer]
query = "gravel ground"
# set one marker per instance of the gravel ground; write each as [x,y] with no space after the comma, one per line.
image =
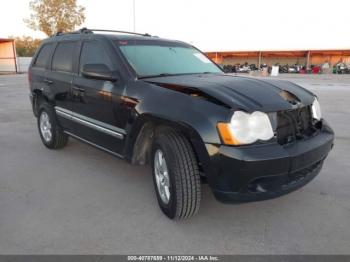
[80,200]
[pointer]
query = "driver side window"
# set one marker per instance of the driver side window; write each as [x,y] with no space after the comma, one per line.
[93,53]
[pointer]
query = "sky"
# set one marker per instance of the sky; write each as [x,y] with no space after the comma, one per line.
[212,25]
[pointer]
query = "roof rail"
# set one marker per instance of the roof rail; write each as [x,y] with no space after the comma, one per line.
[67,33]
[112,31]
[85,30]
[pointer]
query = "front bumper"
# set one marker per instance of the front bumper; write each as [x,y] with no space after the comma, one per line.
[259,172]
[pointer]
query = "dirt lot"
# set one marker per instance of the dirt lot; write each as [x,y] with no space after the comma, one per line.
[80,200]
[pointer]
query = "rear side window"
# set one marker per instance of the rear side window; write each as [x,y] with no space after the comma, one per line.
[43,56]
[93,53]
[63,57]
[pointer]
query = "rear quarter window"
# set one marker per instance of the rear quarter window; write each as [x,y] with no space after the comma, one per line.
[43,56]
[63,57]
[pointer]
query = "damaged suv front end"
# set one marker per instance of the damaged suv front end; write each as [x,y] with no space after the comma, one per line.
[274,153]
[291,158]
[272,139]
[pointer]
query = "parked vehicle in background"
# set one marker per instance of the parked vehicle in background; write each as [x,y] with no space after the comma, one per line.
[341,68]
[253,67]
[245,68]
[238,68]
[229,69]
[151,100]
[315,69]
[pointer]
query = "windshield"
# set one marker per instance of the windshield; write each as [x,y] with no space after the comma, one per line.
[155,58]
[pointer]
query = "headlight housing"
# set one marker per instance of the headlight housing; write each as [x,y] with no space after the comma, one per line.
[246,128]
[316,110]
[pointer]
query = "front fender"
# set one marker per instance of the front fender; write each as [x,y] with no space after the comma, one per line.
[193,111]
[195,117]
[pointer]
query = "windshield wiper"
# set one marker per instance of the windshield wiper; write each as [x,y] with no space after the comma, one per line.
[168,74]
[214,73]
[158,75]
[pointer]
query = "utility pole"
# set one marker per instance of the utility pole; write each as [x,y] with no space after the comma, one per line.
[134,15]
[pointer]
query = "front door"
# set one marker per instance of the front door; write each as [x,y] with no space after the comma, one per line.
[96,101]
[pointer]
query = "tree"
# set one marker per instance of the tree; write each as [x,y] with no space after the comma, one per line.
[51,16]
[26,45]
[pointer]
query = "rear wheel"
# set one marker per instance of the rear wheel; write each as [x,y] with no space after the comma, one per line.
[51,133]
[175,175]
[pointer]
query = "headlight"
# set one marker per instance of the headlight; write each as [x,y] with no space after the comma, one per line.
[246,128]
[316,110]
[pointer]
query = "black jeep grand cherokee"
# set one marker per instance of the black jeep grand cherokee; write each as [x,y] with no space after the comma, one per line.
[148,99]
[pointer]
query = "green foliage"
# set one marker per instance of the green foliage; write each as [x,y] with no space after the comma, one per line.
[51,16]
[26,45]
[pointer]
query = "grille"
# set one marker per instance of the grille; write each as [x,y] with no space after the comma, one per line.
[294,125]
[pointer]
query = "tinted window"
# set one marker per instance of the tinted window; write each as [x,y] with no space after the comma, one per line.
[93,53]
[43,56]
[63,58]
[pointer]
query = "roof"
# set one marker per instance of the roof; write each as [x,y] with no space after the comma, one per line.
[113,37]
[5,40]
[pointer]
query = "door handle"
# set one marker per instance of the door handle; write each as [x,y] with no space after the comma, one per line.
[47,81]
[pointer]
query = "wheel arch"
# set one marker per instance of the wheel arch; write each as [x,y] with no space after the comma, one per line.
[140,139]
[38,97]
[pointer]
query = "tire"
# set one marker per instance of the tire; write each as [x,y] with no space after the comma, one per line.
[183,177]
[51,133]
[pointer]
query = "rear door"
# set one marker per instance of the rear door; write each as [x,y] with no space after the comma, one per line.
[97,102]
[39,68]
[63,69]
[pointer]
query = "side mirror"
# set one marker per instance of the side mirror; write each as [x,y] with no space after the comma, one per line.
[100,72]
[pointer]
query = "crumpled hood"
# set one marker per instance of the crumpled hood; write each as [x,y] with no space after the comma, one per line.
[249,94]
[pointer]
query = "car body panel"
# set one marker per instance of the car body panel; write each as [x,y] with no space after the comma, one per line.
[242,93]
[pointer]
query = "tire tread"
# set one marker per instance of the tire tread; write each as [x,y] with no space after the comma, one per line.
[187,175]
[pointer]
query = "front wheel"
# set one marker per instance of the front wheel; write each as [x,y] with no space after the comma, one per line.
[175,175]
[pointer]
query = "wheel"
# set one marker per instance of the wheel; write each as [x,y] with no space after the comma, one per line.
[51,133]
[175,175]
